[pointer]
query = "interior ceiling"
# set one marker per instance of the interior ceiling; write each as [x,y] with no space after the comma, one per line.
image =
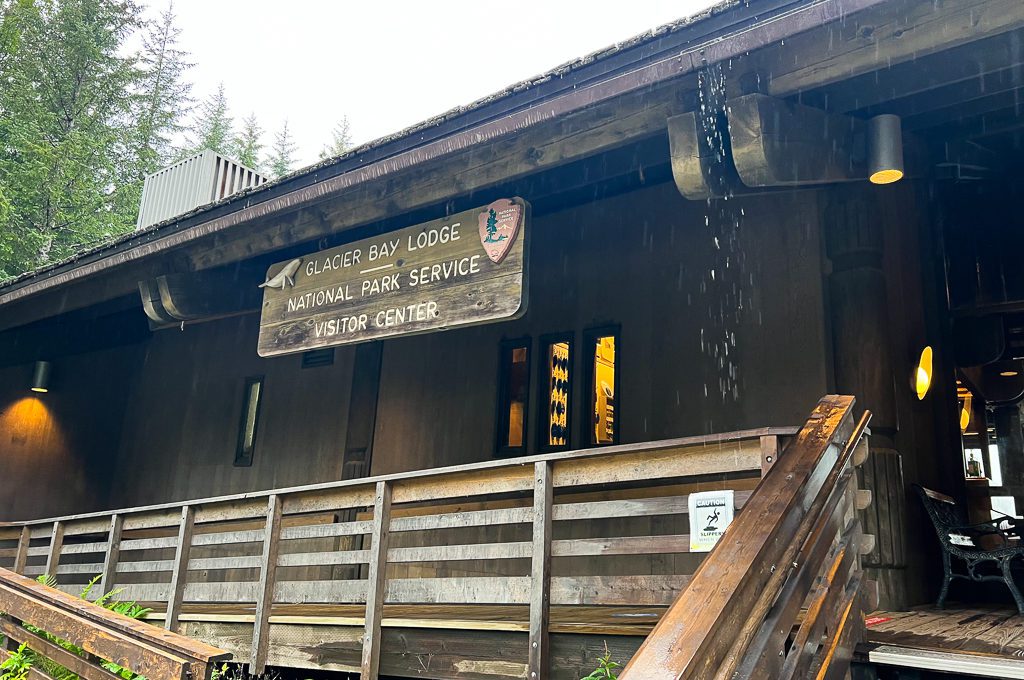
[970,94]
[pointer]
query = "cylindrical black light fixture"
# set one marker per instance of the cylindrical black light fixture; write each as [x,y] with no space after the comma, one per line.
[41,377]
[885,149]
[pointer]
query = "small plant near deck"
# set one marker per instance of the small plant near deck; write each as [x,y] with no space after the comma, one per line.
[16,665]
[605,667]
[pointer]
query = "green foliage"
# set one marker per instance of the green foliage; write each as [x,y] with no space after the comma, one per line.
[81,122]
[606,668]
[282,153]
[25,657]
[16,665]
[213,124]
[341,140]
[248,144]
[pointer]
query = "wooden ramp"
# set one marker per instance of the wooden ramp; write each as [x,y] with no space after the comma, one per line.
[975,641]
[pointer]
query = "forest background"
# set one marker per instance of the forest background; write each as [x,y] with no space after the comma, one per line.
[93,97]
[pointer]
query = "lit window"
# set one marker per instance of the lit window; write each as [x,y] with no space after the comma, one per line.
[995,477]
[514,390]
[557,371]
[251,397]
[602,346]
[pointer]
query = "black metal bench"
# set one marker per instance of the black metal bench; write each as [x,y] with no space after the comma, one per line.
[972,544]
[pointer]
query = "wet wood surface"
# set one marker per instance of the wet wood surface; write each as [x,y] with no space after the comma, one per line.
[977,629]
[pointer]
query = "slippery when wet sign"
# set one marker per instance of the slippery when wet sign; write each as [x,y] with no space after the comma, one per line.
[710,513]
[462,270]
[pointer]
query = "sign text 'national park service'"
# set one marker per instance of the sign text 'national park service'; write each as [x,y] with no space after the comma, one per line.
[466,269]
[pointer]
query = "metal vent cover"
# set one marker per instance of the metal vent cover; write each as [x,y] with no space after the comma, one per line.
[194,181]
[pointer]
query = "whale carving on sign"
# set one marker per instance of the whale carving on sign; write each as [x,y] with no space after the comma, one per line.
[285,277]
[499,226]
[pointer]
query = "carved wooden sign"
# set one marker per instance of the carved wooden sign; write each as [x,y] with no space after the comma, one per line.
[462,270]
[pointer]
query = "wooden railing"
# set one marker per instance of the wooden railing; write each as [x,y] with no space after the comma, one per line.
[101,634]
[795,548]
[604,526]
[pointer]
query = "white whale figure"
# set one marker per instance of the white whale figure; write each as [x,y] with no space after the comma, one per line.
[285,277]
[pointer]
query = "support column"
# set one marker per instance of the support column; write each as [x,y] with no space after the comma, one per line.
[864,368]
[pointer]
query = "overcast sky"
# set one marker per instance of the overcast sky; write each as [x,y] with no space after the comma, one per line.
[386,64]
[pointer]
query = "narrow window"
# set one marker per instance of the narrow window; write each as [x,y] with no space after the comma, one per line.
[514,390]
[556,367]
[251,397]
[603,386]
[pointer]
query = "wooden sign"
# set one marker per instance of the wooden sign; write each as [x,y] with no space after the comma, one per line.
[466,269]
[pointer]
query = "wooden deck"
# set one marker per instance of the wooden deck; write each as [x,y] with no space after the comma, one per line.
[985,642]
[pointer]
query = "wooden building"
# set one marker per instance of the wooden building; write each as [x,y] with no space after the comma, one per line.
[646,267]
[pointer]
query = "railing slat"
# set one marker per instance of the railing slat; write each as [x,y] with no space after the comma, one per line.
[324,558]
[53,554]
[540,594]
[265,589]
[112,554]
[21,557]
[376,581]
[179,576]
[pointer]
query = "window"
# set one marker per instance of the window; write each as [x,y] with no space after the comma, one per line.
[602,386]
[251,397]
[513,395]
[556,384]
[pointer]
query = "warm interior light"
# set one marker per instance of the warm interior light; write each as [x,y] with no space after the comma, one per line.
[923,373]
[965,413]
[41,377]
[1008,374]
[885,149]
[886,176]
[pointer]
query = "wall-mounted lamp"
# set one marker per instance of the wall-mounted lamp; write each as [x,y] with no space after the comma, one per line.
[885,149]
[923,373]
[41,377]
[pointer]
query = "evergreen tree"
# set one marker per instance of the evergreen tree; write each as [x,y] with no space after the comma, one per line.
[213,124]
[164,94]
[65,127]
[248,145]
[282,153]
[341,140]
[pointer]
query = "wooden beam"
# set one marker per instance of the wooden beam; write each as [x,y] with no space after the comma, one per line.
[265,589]
[376,582]
[890,33]
[179,577]
[540,573]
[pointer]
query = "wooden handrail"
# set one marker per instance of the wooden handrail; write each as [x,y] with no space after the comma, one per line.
[102,634]
[258,499]
[796,544]
[349,542]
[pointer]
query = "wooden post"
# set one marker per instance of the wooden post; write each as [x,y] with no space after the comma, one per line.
[180,574]
[21,556]
[56,543]
[769,452]
[265,590]
[855,227]
[540,584]
[376,586]
[112,554]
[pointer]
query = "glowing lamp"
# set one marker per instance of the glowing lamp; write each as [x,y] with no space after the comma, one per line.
[41,377]
[965,414]
[923,373]
[885,149]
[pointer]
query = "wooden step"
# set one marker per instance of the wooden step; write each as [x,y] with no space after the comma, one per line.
[966,663]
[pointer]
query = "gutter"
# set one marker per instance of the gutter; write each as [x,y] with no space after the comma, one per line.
[759,33]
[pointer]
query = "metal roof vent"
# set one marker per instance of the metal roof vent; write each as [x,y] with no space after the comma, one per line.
[204,178]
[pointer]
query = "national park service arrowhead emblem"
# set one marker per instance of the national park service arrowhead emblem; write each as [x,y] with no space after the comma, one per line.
[499,226]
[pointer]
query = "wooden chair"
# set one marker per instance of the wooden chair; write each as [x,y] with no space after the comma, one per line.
[972,544]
